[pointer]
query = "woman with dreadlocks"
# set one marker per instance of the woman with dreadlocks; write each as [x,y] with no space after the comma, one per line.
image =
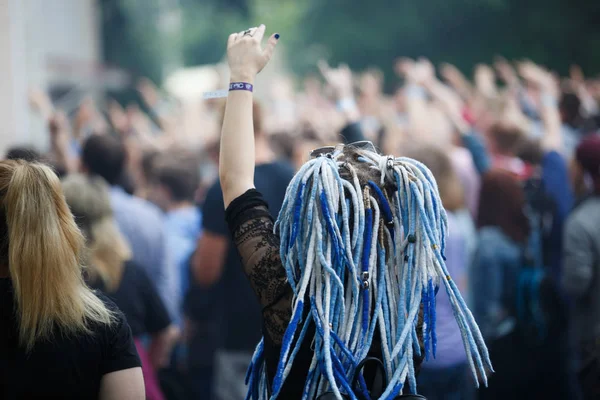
[347,276]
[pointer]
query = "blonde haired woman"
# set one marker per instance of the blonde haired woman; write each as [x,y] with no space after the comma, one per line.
[111,271]
[57,338]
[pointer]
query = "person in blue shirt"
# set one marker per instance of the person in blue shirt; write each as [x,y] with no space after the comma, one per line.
[139,221]
[174,184]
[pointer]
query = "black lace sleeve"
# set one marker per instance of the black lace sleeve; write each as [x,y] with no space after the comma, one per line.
[251,227]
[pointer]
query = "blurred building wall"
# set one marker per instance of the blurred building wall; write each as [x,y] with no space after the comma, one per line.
[37,39]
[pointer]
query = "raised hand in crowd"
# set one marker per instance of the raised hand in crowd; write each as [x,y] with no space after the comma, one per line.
[40,102]
[118,118]
[148,92]
[456,80]
[507,73]
[60,142]
[246,57]
[485,80]
[88,120]
[340,81]
[166,112]
[417,74]
[549,90]
[538,76]
[581,87]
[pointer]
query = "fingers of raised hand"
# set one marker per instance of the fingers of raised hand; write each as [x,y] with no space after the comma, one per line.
[246,56]
[324,68]
[254,34]
[231,40]
[404,66]
[270,46]
[426,67]
[259,33]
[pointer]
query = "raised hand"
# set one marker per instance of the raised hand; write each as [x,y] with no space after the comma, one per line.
[237,159]
[340,79]
[420,72]
[456,80]
[403,66]
[506,72]
[117,117]
[245,55]
[576,74]
[485,80]
[58,125]
[538,76]
[40,101]
[451,74]
[148,91]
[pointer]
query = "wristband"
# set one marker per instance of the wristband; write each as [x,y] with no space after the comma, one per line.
[241,86]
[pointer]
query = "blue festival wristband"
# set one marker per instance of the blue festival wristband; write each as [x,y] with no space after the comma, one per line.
[241,86]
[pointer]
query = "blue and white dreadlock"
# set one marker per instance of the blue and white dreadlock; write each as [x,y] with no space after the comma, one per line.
[363,259]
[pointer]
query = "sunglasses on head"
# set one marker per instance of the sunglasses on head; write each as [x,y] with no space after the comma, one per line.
[331,151]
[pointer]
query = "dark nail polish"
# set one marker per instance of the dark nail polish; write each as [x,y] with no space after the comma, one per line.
[277,36]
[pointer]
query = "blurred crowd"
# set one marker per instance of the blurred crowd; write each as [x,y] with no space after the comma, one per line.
[516,154]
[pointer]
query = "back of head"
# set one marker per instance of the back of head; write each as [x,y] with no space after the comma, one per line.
[531,151]
[440,165]
[179,174]
[104,155]
[502,204]
[41,245]
[505,138]
[89,201]
[569,106]
[23,153]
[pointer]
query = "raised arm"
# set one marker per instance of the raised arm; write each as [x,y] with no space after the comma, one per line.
[60,139]
[340,81]
[507,73]
[549,91]
[457,81]
[246,59]
[452,105]
[485,81]
[588,103]
[416,100]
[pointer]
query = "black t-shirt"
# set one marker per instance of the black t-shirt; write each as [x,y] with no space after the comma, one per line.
[242,316]
[138,299]
[64,367]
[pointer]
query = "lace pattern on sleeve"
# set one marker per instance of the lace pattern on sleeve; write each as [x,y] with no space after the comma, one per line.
[252,228]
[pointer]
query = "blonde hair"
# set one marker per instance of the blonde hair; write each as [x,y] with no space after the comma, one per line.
[42,247]
[107,248]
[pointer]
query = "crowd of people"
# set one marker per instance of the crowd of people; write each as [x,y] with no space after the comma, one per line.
[190,259]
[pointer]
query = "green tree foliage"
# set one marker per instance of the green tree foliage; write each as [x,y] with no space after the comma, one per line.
[374,33]
[464,32]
